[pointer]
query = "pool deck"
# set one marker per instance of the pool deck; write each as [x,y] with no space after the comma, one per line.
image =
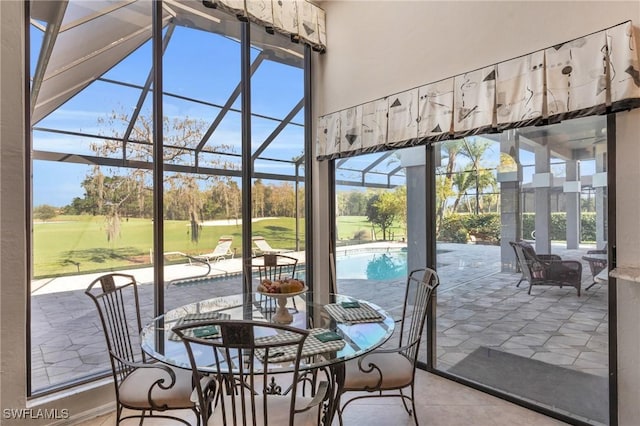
[184,271]
[477,306]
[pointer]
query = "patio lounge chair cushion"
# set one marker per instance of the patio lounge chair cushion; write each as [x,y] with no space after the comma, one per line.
[220,252]
[265,247]
[397,372]
[133,388]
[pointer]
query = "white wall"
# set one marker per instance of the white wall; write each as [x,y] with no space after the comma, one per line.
[378,48]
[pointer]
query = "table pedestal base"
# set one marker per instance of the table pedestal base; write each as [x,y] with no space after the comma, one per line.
[282,315]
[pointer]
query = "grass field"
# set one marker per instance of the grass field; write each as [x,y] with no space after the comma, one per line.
[349,226]
[72,244]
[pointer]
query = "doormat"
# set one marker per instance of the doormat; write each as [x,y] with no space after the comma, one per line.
[582,394]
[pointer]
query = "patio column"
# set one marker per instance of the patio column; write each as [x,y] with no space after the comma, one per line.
[542,182]
[572,196]
[599,183]
[510,178]
[414,162]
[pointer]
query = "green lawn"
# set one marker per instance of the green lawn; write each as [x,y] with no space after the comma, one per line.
[350,226]
[72,244]
[69,244]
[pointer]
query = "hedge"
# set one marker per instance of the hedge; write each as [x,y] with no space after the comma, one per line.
[558,229]
[459,228]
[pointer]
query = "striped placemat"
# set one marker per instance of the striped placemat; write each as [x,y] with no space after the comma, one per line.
[363,313]
[311,346]
[195,318]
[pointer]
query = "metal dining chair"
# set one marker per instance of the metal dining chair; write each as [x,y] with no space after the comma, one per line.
[140,386]
[387,372]
[235,355]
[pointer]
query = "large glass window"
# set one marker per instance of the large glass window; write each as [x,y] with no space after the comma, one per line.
[93,143]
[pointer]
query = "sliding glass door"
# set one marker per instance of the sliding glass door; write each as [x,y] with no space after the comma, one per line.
[544,187]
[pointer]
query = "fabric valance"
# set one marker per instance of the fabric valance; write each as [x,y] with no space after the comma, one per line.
[590,75]
[302,21]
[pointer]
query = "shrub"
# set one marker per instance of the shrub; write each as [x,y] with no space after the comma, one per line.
[362,234]
[485,227]
[588,227]
[453,229]
[457,228]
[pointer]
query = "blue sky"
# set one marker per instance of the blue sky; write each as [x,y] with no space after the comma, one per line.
[196,64]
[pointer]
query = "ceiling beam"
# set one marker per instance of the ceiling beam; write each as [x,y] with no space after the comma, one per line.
[296,109]
[145,90]
[378,161]
[95,15]
[49,41]
[227,106]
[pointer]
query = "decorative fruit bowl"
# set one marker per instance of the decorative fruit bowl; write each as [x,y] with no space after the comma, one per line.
[281,290]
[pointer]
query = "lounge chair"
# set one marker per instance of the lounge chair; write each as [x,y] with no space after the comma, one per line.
[543,257]
[222,250]
[265,248]
[546,272]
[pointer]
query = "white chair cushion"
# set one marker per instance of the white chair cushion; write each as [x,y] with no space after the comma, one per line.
[277,409]
[397,372]
[134,389]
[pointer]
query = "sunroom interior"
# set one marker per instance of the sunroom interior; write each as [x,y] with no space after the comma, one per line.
[256,116]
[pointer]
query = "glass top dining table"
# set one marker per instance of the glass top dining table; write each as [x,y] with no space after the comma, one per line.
[357,338]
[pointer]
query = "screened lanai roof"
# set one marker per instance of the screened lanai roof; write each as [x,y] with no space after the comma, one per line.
[85,39]
[85,48]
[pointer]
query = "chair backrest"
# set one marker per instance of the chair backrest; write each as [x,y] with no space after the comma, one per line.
[116,298]
[530,265]
[421,284]
[274,266]
[235,359]
[262,244]
[223,247]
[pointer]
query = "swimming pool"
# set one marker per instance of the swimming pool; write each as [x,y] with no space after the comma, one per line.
[376,266]
[380,265]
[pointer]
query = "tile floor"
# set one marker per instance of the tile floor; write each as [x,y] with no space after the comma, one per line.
[440,402]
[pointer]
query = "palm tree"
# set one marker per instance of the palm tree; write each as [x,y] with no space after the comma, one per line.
[444,185]
[474,150]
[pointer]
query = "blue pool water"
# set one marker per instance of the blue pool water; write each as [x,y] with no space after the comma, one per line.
[380,266]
